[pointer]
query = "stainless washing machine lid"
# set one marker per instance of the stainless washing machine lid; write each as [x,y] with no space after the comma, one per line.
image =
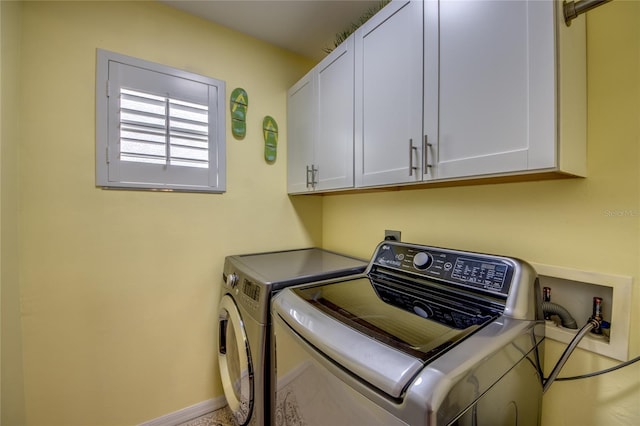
[380,343]
[285,268]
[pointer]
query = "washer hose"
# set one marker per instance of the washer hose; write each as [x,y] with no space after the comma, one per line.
[592,323]
[565,316]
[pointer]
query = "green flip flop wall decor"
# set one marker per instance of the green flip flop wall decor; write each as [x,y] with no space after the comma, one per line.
[270,132]
[239,104]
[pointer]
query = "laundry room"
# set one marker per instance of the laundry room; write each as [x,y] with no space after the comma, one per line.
[110,297]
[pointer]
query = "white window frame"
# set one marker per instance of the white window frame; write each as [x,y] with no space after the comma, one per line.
[115,72]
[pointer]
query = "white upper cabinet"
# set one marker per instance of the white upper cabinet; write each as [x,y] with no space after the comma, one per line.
[320,125]
[444,90]
[498,109]
[334,146]
[300,133]
[388,95]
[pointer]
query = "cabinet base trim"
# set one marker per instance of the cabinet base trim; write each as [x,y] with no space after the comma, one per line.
[488,180]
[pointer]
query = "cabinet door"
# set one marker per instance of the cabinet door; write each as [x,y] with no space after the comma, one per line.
[300,134]
[496,109]
[388,127]
[334,129]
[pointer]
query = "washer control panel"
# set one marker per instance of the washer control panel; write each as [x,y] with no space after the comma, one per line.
[487,273]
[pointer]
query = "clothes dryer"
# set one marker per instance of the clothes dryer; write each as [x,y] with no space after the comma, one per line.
[244,321]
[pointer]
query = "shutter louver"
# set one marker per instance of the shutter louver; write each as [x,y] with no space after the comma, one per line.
[161,130]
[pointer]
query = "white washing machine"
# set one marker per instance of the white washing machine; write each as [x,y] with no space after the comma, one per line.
[244,327]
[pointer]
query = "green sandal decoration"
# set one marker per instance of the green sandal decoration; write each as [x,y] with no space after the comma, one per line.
[270,131]
[239,104]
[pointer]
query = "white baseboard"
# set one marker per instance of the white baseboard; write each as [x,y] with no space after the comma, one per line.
[188,413]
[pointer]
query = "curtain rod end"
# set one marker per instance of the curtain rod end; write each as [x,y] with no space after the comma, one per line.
[569,11]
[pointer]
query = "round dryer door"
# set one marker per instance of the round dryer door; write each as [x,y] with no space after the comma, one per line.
[234,358]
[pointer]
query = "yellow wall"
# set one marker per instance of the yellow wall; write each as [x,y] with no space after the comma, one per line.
[120,288]
[11,384]
[591,224]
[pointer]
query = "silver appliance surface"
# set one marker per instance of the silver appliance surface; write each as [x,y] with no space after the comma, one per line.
[425,336]
[290,267]
[244,322]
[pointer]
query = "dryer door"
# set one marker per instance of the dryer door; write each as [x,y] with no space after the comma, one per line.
[234,358]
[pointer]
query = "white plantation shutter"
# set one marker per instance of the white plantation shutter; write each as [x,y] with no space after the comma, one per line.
[164,128]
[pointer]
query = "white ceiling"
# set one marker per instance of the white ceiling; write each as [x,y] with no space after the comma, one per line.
[301,26]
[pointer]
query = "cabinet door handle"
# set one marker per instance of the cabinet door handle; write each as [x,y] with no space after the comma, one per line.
[311,176]
[411,149]
[425,148]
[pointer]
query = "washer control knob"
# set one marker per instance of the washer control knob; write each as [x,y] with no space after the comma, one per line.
[232,280]
[423,310]
[422,260]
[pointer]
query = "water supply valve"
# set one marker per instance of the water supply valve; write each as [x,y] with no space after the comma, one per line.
[596,316]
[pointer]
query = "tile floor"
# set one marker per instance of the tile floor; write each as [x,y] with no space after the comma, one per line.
[221,417]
